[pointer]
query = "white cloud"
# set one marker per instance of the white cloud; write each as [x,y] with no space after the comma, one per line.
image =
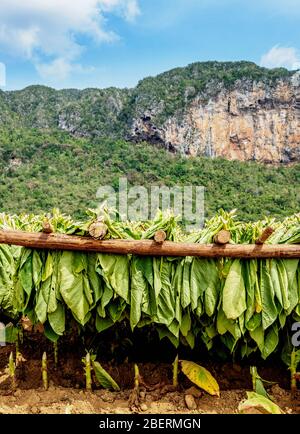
[277,56]
[35,29]
[60,69]
[129,9]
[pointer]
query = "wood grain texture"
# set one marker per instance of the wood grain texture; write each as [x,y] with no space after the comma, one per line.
[56,241]
[264,236]
[222,237]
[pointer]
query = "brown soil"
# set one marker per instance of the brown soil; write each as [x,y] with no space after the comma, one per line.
[66,392]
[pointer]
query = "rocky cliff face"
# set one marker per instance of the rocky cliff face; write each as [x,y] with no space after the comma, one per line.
[253,120]
[234,110]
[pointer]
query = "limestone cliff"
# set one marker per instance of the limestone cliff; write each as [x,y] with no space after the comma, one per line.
[253,120]
[234,110]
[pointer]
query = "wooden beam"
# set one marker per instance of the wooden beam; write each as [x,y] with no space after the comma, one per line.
[55,241]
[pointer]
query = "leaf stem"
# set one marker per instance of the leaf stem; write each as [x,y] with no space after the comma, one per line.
[55,350]
[44,371]
[88,372]
[175,372]
[136,376]
[293,371]
[12,371]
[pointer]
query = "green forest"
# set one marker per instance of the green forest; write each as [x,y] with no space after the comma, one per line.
[43,169]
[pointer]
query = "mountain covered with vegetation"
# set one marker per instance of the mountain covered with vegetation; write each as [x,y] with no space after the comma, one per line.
[57,147]
[233,110]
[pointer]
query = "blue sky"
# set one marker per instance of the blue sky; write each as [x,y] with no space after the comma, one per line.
[101,43]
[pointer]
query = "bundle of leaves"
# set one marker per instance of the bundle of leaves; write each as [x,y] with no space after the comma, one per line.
[248,304]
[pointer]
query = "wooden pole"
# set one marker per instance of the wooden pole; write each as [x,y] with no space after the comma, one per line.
[264,236]
[55,241]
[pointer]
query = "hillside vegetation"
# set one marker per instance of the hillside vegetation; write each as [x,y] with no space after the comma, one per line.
[42,169]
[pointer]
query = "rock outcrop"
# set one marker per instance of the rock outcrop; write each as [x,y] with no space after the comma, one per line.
[252,121]
[233,110]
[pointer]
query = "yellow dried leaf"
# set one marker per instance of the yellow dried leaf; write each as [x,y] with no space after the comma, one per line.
[201,377]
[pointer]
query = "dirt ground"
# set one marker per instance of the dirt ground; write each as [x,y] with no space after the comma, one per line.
[66,392]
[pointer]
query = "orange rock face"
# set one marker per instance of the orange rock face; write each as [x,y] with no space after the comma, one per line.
[252,121]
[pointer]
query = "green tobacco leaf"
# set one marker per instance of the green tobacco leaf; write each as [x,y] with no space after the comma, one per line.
[57,319]
[46,292]
[249,269]
[280,283]
[139,290]
[104,301]
[163,332]
[234,294]
[7,269]
[104,378]
[200,376]
[185,290]
[258,402]
[204,284]
[116,308]
[95,281]
[227,325]
[190,338]
[186,324]
[72,284]
[25,275]
[291,266]
[37,266]
[269,309]
[258,336]
[9,334]
[270,342]
[103,323]
[166,297]
[50,333]
[236,305]
[115,271]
